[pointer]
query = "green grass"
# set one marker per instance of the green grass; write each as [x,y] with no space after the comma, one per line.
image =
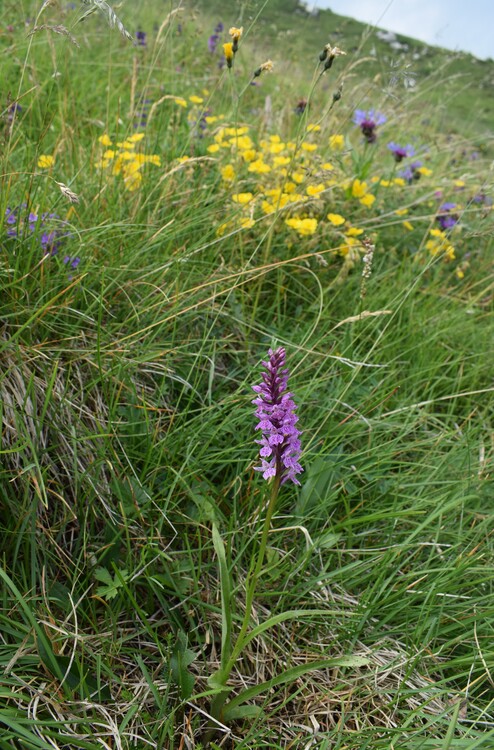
[125,395]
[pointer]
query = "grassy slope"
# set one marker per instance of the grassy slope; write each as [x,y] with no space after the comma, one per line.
[127,428]
[460,85]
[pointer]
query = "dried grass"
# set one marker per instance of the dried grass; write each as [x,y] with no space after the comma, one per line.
[110,15]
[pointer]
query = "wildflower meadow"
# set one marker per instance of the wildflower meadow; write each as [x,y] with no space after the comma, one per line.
[246,382]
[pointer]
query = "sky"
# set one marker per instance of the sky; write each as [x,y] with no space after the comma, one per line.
[466,25]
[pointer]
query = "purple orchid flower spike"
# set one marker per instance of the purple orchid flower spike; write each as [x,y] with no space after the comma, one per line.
[280,444]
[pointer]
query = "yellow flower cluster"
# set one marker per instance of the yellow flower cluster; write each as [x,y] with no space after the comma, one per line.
[440,244]
[282,176]
[310,186]
[125,160]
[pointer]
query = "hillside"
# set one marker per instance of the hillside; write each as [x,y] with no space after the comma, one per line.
[404,68]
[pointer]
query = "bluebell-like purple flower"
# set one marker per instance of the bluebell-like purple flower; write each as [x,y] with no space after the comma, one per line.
[47,227]
[280,444]
[141,38]
[215,37]
[213,43]
[368,122]
[401,152]
[141,115]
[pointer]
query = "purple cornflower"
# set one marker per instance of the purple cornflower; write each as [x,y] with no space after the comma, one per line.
[482,198]
[446,219]
[280,444]
[368,122]
[411,172]
[301,107]
[401,152]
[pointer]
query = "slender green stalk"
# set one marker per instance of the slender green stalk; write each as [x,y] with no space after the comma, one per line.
[222,676]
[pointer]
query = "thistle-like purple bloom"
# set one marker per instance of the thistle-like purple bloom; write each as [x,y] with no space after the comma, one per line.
[368,122]
[280,444]
[401,152]
[446,219]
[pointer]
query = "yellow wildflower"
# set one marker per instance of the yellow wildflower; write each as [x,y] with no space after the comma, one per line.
[244,142]
[45,161]
[424,171]
[309,146]
[196,99]
[242,198]
[408,225]
[237,131]
[213,148]
[399,181]
[259,166]
[105,140]
[249,154]
[359,188]
[228,173]
[354,232]
[221,229]
[304,227]
[228,52]
[266,67]
[327,166]
[351,242]
[401,211]
[276,148]
[180,101]
[368,199]
[313,128]
[236,33]
[133,181]
[314,190]
[247,223]
[267,207]
[337,142]
[136,137]
[336,219]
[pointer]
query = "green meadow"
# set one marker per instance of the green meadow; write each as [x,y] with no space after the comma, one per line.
[193,203]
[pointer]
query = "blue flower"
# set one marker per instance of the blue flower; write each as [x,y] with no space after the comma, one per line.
[368,122]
